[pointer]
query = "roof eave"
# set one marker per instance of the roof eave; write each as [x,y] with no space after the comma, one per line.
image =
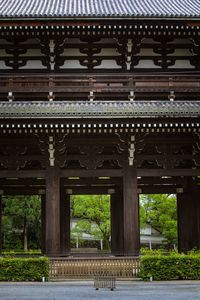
[102,18]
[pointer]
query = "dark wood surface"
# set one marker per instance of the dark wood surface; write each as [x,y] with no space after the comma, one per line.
[53,233]
[65,222]
[188,211]
[33,87]
[166,150]
[131,230]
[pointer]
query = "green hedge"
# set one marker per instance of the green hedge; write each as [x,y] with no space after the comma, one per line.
[172,267]
[21,252]
[23,269]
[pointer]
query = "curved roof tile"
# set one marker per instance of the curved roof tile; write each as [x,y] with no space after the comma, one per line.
[99,8]
[104,109]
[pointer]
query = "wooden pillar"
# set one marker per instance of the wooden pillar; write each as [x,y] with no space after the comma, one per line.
[65,223]
[188,218]
[131,226]
[117,242]
[1,240]
[43,223]
[52,215]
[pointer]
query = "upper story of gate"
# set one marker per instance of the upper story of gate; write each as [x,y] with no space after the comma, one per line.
[102,50]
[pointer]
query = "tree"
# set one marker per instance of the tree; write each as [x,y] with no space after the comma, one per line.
[23,213]
[94,209]
[160,212]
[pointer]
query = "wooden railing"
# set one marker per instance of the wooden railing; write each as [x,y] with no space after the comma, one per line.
[71,85]
[89,267]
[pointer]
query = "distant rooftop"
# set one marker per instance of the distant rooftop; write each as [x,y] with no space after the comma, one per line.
[99,8]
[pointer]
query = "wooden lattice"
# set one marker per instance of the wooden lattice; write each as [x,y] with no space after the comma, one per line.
[90,267]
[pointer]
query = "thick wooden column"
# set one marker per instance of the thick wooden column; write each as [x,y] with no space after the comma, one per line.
[188,213]
[52,234]
[1,240]
[43,222]
[65,223]
[116,205]
[131,226]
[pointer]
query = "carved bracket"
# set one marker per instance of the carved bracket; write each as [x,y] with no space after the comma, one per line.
[90,158]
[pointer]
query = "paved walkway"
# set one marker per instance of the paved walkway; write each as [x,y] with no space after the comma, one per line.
[181,290]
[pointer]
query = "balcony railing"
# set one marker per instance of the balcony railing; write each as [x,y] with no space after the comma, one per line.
[32,87]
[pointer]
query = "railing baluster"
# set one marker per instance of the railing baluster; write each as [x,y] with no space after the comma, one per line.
[90,267]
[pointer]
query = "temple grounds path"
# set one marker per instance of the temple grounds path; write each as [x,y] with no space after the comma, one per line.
[78,290]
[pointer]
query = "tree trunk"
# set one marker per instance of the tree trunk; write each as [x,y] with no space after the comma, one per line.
[106,244]
[25,236]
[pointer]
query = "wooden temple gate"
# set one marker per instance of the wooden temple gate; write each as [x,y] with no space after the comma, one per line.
[101,105]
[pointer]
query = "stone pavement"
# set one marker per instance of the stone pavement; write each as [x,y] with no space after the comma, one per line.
[78,290]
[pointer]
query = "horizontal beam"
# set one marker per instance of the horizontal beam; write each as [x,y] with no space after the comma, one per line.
[91,173]
[22,181]
[22,174]
[167,172]
[99,173]
[159,180]
[18,191]
[142,182]
[94,190]
[99,120]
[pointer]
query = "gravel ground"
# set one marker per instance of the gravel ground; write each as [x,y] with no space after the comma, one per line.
[180,290]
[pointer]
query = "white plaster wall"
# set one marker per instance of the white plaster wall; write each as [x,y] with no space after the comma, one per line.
[108,52]
[34,64]
[3,66]
[34,52]
[3,53]
[145,64]
[181,52]
[182,64]
[72,52]
[147,52]
[108,64]
[72,64]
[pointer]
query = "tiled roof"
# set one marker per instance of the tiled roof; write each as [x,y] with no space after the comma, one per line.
[96,109]
[99,8]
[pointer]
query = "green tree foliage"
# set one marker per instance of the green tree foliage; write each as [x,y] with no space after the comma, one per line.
[21,216]
[160,212]
[93,210]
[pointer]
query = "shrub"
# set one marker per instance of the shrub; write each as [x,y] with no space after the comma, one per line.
[170,267]
[23,269]
[20,252]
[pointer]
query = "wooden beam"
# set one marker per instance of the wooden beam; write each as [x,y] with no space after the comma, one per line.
[22,174]
[89,181]
[43,222]
[178,139]
[1,237]
[52,235]
[158,190]
[91,173]
[167,172]
[131,212]
[64,223]
[22,182]
[159,180]
[90,192]
[21,191]
[188,211]
[117,215]
[112,120]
